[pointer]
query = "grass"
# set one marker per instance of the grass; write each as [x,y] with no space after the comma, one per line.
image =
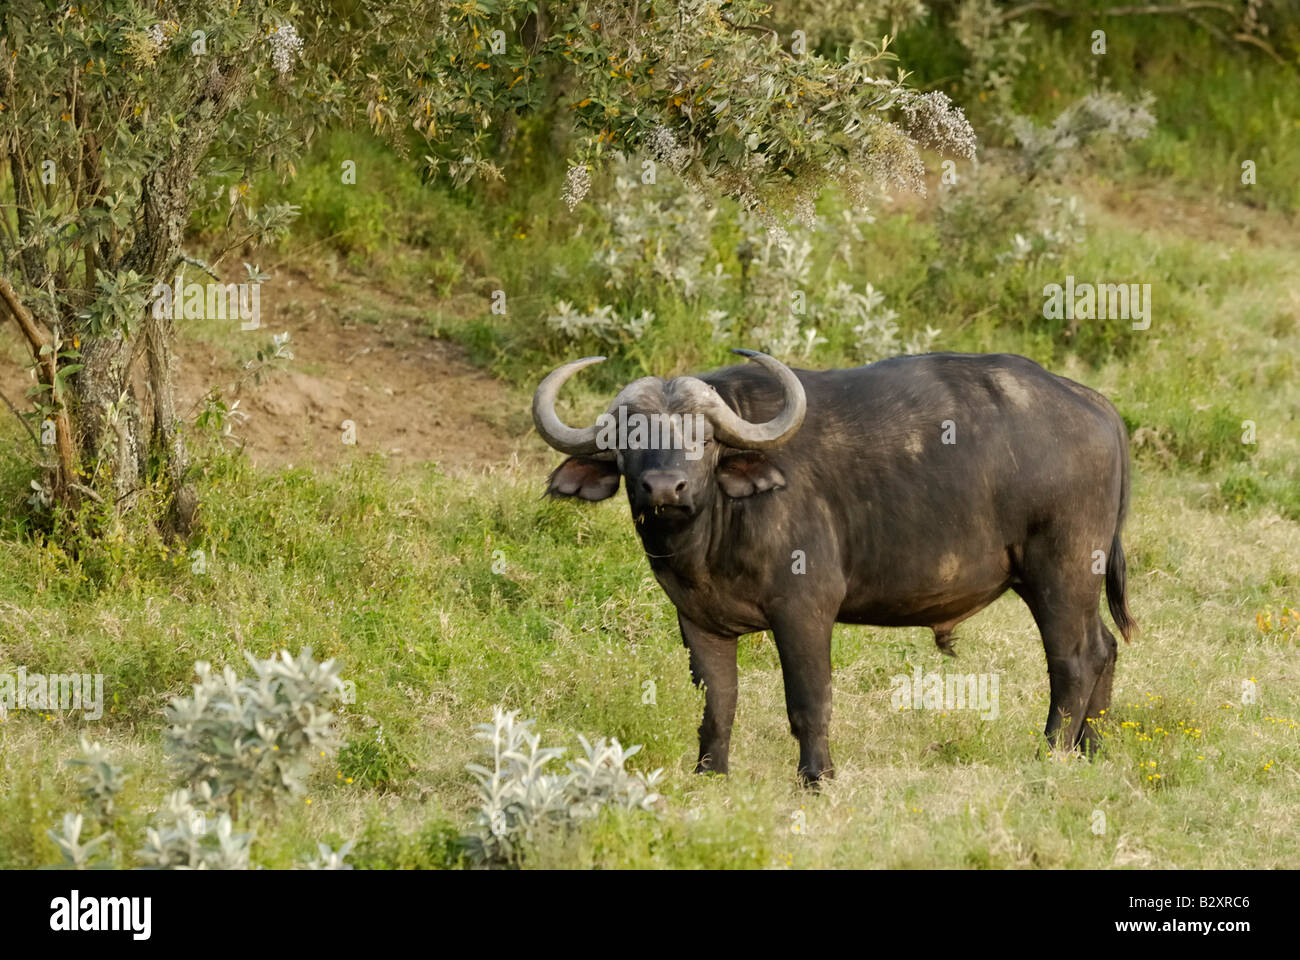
[393,571]
[396,579]
[1217,103]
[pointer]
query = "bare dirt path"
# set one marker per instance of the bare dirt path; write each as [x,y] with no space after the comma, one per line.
[359,356]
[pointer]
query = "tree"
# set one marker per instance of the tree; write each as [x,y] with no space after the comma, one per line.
[119,117]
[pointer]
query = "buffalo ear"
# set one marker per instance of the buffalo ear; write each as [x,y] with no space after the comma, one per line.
[745,474]
[584,477]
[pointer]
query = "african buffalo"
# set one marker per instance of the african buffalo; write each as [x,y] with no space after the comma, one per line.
[911,492]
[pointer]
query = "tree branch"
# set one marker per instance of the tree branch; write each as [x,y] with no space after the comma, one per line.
[27,426]
[36,337]
[1155,8]
[1187,9]
[38,340]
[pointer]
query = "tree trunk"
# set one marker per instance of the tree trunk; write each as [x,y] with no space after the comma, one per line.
[166,205]
[112,439]
[168,441]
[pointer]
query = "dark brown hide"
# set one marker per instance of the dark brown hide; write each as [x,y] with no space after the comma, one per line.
[918,490]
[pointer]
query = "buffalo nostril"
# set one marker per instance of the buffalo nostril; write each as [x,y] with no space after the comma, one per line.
[663,487]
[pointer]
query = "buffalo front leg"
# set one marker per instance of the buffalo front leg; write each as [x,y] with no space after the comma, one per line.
[805,650]
[713,667]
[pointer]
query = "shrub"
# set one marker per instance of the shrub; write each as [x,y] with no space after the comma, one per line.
[255,737]
[100,780]
[658,235]
[668,236]
[76,855]
[384,846]
[233,738]
[519,797]
[1097,115]
[184,836]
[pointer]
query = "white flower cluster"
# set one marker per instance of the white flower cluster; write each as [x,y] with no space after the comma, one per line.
[666,149]
[143,48]
[577,184]
[933,120]
[286,45]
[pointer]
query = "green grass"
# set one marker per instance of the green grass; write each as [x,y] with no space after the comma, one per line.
[395,578]
[392,570]
[1217,102]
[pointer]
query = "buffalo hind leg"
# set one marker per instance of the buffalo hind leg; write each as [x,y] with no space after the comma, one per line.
[805,650]
[1099,702]
[1075,664]
[713,667]
[1069,622]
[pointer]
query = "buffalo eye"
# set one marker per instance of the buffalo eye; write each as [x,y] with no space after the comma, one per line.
[745,474]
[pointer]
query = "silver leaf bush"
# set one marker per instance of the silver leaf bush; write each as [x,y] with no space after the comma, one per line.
[519,796]
[76,854]
[100,779]
[185,835]
[256,736]
[1052,148]
[233,738]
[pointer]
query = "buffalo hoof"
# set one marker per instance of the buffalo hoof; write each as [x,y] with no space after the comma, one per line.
[709,765]
[813,779]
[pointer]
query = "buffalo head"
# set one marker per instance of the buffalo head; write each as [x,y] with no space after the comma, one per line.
[676,441]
